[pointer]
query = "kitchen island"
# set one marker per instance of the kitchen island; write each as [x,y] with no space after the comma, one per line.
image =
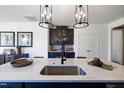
[29,76]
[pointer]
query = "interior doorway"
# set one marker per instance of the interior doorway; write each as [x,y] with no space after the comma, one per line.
[117,48]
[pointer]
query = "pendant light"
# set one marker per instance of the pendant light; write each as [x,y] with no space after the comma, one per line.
[81,16]
[46,16]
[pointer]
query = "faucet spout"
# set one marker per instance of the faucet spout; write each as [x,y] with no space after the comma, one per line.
[63,57]
[63,54]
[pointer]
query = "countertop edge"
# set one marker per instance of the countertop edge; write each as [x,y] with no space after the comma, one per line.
[66,81]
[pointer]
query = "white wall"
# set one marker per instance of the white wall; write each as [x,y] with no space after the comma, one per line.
[102,31]
[110,26]
[40,37]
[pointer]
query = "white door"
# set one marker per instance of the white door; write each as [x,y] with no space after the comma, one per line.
[117,46]
[88,45]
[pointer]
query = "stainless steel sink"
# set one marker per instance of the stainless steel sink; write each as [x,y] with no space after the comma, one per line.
[62,70]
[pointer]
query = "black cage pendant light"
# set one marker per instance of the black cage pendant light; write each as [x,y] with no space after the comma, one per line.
[81,16]
[46,16]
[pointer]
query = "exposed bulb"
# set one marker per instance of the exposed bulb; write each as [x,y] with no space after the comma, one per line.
[79,17]
[48,17]
[76,15]
[44,12]
[81,13]
[42,15]
[84,15]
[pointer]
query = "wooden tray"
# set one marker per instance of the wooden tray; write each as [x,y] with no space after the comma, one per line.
[21,63]
[104,66]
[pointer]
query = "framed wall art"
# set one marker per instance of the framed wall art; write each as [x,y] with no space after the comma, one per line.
[7,39]
[24,39]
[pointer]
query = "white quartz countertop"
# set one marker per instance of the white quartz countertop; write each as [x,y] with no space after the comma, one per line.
[31,73]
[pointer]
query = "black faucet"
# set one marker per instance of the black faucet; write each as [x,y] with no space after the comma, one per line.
[63,54]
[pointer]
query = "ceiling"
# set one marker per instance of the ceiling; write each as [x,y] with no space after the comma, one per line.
[62,14]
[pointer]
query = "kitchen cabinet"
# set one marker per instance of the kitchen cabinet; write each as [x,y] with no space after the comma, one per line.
[59,54]
[96,77]
[59,85]
[11,85]
[115,85]
[64,85]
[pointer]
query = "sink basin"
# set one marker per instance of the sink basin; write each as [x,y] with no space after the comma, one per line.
[62,70]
